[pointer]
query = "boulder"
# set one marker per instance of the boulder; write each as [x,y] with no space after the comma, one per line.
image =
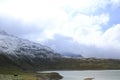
[49,76]
[89,78]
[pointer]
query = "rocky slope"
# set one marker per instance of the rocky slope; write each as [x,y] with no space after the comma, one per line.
[22,53]
[16,46]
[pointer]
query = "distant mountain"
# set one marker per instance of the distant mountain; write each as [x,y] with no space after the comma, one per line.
[71,55]
[23,53]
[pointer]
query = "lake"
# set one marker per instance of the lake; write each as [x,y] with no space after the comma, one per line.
[97,74]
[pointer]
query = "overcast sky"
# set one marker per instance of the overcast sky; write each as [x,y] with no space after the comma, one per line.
[87,27]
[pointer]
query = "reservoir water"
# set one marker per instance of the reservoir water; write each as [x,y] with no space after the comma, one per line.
[96,74]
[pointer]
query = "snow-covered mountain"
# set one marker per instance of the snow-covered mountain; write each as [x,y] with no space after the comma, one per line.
[16,46]
[23,54]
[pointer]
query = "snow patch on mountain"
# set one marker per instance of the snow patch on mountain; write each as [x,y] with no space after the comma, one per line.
[13,45]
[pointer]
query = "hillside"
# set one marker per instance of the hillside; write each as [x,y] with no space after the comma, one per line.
[85,64]
[17,53]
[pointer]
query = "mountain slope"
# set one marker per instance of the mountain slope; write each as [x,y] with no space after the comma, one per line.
[17,46]
[23,54]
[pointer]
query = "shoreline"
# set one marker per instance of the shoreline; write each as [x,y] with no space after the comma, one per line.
[34,76]
[42,75]
[78,70]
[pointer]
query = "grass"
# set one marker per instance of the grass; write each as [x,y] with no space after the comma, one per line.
[17,77]
[9,71]
[13,73]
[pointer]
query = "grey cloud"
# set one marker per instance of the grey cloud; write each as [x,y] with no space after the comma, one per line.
[63,44]
[19,28]
[60,43]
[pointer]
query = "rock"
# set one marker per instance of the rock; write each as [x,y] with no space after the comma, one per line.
[49,76]
[15,75]
[89,78]
[55,76]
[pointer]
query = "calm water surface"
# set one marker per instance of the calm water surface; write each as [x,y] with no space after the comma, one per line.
[97,74]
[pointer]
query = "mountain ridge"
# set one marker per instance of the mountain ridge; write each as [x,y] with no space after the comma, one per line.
[14,45]
[23,54]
